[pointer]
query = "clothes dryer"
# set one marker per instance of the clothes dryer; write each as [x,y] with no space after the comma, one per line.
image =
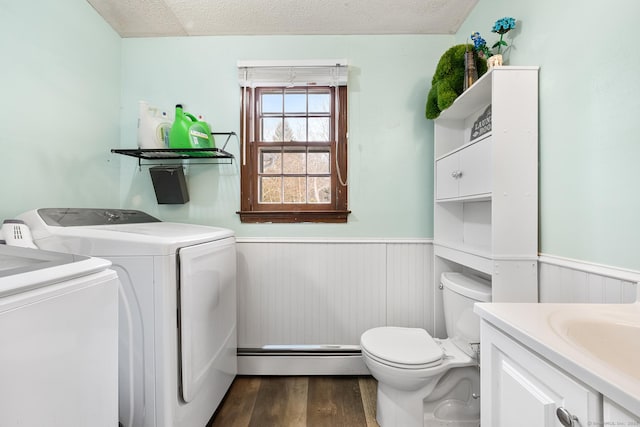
[177,307]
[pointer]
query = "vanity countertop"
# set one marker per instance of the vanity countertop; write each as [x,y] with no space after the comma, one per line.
[599,344]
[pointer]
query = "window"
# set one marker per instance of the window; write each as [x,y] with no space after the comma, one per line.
[294,155]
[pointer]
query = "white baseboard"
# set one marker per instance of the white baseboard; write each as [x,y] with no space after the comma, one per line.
[302,365]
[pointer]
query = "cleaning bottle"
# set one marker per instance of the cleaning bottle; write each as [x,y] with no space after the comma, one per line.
[152,127]
[189,132]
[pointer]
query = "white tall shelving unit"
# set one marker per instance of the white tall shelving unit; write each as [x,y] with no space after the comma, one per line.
[486,189]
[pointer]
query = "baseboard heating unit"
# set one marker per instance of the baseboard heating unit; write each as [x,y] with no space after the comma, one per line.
[301,360]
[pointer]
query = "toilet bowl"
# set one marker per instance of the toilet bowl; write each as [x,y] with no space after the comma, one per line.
[425,381]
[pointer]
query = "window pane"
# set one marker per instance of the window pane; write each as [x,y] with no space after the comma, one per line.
[270,190]
[294,162]
[319,129]
[295,102]
[271,130]
[295,129]
[295,189]
[319,190]
[318,162]
[319,103]
[270,161]
[271,103]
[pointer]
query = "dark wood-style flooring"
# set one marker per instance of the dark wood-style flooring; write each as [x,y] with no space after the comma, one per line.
[296,401]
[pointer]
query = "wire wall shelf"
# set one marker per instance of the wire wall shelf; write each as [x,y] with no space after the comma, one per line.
[177,155]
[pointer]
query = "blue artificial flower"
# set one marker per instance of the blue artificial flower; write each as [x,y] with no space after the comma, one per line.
[478,41]
[480,44]
[503,25]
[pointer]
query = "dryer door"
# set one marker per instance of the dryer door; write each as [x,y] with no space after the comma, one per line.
[207,312]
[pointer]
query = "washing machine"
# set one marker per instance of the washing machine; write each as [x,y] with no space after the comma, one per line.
[177,307]
[59,335]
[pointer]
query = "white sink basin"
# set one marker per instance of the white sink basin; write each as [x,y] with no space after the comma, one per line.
[608,333]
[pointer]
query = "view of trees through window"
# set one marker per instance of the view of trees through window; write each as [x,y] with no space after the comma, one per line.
[295,136]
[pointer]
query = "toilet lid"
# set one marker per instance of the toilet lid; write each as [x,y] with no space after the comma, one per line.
[410,347]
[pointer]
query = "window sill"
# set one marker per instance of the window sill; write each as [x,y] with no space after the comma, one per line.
[328,216]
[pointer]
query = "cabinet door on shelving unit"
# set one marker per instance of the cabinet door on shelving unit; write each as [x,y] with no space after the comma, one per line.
[475,169]
[465,173]
[447,181]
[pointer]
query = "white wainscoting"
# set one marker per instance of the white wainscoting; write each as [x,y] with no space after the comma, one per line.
[568,280]
[328,292]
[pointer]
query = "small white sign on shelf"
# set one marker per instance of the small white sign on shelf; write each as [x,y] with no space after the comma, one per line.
[482,125]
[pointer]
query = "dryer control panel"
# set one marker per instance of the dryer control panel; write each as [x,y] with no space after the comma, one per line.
[75,217]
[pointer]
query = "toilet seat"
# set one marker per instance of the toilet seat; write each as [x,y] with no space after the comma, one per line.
[404,348]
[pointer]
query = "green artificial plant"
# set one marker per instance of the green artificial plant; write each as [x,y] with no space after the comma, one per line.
[448,80]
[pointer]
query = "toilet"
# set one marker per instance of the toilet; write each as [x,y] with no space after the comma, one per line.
[425,381]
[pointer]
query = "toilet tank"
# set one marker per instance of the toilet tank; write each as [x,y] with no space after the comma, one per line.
[461,291]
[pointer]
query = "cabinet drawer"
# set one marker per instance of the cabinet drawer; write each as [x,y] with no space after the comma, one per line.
[465,173]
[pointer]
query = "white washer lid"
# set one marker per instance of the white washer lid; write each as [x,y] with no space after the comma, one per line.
[404,346]
[476,288]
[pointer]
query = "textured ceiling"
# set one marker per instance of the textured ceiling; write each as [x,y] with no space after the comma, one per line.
[162,18]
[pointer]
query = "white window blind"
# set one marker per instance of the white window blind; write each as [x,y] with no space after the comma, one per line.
[325,72]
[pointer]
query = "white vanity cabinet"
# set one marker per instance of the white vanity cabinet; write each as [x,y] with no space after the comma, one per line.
[486,183]
[533,375]
[518,388]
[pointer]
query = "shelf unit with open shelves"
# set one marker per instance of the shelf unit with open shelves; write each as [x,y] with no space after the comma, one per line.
[486,183]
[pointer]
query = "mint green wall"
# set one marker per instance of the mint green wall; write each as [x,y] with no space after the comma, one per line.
[60,100]
[70,88]
[589,111]
[390,141]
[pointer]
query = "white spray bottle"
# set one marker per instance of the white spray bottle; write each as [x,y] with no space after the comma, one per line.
[153,127]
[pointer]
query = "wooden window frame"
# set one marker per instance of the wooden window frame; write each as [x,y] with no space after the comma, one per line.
[253,212]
